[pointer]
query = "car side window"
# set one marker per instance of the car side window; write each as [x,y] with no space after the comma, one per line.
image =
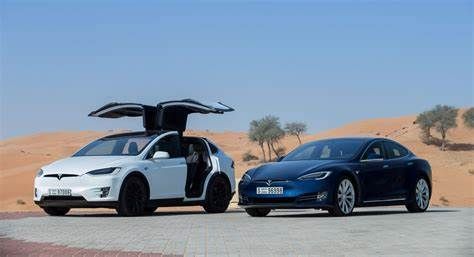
[395,150]
[374,151]
[170,144]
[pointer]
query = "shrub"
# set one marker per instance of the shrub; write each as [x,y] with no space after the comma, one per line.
[248,156]
[468,118]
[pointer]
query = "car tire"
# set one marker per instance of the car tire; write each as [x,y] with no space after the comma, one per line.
[258,212]
[421,196]
[344,198]
[56,211]
[149,210]
[133,197]
[218,195]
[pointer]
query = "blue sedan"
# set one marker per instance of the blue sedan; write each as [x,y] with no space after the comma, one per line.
[338,175]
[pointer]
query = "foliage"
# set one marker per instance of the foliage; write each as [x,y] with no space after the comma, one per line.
[257,134]
[442,118]
[267,131]
[248,156]
[468,118]
[426,122]
[280,151]
[296,129]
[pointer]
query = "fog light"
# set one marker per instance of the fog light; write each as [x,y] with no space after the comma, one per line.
[322,196]
[104,192]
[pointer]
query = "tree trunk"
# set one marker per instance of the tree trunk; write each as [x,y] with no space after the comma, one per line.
[275,151]
[443,140]
[269,151]
[263,152]
[299,139]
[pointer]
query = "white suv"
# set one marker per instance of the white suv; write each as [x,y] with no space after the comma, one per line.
[137,172]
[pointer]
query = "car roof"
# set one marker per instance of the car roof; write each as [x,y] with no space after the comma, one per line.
[350,138]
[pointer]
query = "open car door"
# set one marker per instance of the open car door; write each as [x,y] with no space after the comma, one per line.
[170,115]
[173,115]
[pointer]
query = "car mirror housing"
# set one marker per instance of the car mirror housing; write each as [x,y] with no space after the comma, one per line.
[161,155]
[279,159]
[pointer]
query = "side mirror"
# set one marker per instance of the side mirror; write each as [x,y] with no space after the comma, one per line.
[279,159]
[161,155]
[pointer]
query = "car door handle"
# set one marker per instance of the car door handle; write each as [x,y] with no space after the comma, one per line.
[385,166]
[409,163]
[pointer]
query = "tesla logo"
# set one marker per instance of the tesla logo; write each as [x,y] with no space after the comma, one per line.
[269,182]
[60,176]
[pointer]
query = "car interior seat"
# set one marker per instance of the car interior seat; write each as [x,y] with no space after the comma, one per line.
[133,148]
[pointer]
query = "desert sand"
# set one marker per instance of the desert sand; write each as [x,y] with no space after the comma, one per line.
[453,170]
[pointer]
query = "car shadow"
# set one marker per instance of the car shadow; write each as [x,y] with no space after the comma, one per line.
[354,214]
[157,213]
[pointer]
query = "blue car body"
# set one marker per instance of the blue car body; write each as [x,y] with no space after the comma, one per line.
[377,181]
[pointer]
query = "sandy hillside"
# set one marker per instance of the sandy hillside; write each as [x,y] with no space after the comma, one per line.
[453,171]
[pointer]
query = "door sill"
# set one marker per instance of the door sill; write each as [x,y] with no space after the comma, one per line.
[385,200]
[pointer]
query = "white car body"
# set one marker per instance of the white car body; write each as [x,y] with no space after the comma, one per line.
[67,183]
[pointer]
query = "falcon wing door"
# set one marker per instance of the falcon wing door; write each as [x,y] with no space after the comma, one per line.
[173,115]
[119,110]
[170,115]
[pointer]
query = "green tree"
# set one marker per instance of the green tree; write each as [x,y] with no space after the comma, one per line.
[445,119]
[273,134]
[267,132]
[257,135]
[295,129]
[426,122]
[442,118]
[468,118]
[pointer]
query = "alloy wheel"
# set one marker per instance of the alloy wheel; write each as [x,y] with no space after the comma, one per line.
[134,196]
[346,196]
[422,194]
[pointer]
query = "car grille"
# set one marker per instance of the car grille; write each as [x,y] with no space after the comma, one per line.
[272,200]
[272,181]
[60,176]
[307,198]
[63,198]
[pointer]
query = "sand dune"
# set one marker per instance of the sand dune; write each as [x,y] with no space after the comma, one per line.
[453,171]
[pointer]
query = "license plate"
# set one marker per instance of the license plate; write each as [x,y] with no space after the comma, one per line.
[60,191]
[269,190]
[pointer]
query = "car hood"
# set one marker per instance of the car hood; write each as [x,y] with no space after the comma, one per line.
[287,170]
[79,165]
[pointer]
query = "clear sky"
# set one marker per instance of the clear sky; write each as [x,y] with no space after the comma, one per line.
[326,63]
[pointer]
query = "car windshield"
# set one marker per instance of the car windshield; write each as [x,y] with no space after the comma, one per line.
[117,145]
[332,149]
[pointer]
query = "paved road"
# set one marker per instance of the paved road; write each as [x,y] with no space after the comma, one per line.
[374,232]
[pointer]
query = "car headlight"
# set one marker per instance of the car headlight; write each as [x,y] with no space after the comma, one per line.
[39,173]
[315,175]
[105,171]
[246,178]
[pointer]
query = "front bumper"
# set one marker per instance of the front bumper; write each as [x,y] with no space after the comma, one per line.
[296,194]
[86,191]
[74,202]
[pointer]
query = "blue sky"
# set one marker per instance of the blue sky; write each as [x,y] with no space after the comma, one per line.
[325,63]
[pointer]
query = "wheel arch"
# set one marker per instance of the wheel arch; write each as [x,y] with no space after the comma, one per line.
[139,175]
[355,181]
[213,176]
[423,174]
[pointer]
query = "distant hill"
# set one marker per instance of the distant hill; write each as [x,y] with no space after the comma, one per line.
[453,170]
